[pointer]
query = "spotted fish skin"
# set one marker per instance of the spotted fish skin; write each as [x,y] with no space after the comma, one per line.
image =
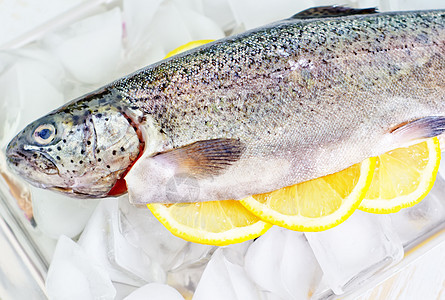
[283,104]
[307,98]
[294,69]
[92,145]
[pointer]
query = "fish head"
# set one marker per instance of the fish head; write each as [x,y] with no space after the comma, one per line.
[82,150]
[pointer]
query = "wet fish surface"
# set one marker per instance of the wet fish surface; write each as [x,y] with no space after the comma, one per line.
[282,104]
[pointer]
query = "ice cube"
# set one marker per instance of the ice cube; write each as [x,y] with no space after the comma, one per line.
[26,93]
[9,105]
[169,28]
[187,276]
[224,278]
[282,262]
[105,244]
[37,95]
[195,5]
[72,275]
[143,230]
[151,42]
[20,17]
[186,279]
[150,36]
[123,290]
[355,250]
[221,13]
[175,25]
[183,261]
[68,282]
[256,13]
[155,291]
[56,214]
[137,16]
[240,248]
[266,295]
[91,48]
[142,56]
[42,62]
[423,218]
[200,26]
[140,50]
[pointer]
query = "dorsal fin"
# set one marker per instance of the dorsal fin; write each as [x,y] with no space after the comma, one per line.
[332,11]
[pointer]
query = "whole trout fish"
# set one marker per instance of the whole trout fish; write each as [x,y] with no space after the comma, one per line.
[282,104]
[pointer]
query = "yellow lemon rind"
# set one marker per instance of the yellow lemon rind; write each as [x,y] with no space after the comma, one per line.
[231,236]
[389,206]
[188,46]
[300,223]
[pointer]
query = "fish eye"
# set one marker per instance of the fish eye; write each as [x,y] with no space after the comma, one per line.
[44,134]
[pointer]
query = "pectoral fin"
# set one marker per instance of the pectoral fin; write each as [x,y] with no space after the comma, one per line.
[419,129]
[155,178]
[332,11]
[204,158]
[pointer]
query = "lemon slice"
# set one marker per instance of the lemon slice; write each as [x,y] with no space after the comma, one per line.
[216,223]
[315,205]
[403,177]
[188,46]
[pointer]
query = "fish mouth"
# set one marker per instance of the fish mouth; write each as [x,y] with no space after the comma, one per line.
[14,159]
[22,160]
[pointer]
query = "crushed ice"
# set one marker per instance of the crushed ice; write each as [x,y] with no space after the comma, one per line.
[125,248]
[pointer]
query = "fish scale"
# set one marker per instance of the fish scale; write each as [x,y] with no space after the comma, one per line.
[278,105]
[185,100]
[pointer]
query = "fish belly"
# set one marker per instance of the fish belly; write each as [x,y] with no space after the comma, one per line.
[307,99]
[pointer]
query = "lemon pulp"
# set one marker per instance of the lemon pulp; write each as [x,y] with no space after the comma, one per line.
[315,205]
[403,177]
[215,222]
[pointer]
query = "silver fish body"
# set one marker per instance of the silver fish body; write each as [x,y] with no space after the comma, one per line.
[269,108]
